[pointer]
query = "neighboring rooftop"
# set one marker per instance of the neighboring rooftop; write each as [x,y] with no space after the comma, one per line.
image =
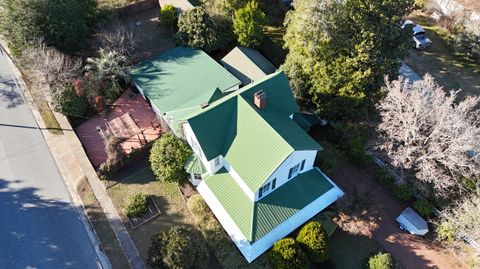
[235,128]
[256,219]
[247,64]
[182,78]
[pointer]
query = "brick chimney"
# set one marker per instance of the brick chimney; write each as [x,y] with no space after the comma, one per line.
[260,99]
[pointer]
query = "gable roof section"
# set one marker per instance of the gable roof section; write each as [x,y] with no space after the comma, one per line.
[182,77]
[247,64]
[254,142]
[256,219]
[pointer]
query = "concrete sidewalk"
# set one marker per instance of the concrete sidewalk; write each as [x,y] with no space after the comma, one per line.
[74,166]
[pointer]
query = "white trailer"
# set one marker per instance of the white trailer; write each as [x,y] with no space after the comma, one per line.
[410,221]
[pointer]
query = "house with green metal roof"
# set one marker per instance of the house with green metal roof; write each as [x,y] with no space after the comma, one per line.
[253,163]
[180,81]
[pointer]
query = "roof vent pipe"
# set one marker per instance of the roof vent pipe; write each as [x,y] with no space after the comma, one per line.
[260,99]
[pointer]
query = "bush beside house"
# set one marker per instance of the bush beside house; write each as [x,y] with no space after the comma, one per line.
[313,239]
[167,157]
[287,254]
[179,247]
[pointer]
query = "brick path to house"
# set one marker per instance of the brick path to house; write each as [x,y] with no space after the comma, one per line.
[74,165]
[412,252]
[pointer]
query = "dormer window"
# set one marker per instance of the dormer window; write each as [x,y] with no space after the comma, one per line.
[293,171]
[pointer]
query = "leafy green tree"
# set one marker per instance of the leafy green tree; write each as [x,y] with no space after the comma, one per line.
[381,261]
[167,157]
[179,247]
[314,241]
[287,254]
[248,25]
[63,24]
[198,29]
[343,51]
[168,15]
[137,205]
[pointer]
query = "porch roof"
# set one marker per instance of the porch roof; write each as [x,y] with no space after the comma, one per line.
[194,165]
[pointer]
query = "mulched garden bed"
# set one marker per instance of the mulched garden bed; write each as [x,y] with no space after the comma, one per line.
[151,213]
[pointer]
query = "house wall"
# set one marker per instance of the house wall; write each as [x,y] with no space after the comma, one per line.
[281,174]
[252,251]
[196,147]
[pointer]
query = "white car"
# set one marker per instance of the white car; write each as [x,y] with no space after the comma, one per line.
[420,39]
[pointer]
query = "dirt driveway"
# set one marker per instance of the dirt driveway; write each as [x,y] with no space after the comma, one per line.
[379,209]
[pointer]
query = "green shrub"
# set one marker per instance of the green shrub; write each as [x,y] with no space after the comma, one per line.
[287,254]
[445,231]
[423,207]
[381,261]
[353,139]
[420,4]
[313,239]
[465,43]
[68,102]
[402,191]
[168,15]
[469,183]
[384,177]
[179,247]
[137,205]
[167,157]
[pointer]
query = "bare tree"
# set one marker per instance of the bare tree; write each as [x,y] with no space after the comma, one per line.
[116,36]
[464,218]
[49,65]
[424,131]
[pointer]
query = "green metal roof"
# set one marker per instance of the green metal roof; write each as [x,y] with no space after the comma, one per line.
[194,165]
[254,142]
[256,219]
[305,121]
[180,78]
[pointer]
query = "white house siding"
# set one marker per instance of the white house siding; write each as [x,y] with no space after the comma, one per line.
[252,251]
[281,174]
[191,140]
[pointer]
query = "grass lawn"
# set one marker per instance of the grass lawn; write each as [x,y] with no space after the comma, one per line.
[451,70]
[139,178]
[272,46]
[350,251]
[102,227]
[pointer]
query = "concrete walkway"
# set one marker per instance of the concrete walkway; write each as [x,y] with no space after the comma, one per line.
[74,165]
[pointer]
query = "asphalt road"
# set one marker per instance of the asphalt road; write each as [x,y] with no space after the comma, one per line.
[39,226]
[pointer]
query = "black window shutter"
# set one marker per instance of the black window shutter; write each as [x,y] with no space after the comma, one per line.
[274,182]
[290,173]
[260,192]
[303,165]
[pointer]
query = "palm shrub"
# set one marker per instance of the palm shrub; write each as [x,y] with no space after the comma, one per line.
[313,239]
[179,247]
[381,261]
[137,205]
[108,70]
[287,254]
[167,157]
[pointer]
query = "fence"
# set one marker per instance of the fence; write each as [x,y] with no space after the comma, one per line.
[417,195]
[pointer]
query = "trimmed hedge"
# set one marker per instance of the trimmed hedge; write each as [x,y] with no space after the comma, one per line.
[179,247]
[286,253]
[313,239]
[137,205]
[381,261]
